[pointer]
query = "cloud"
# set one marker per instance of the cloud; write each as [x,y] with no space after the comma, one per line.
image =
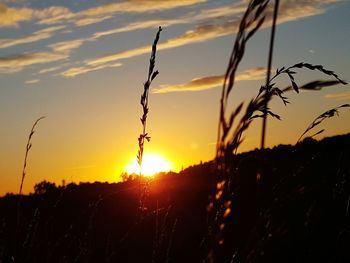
[33,81]
[197,84]
[91,20]
[290,11]
[10,17]
[201,34]
[210,82]
[72,72]
[16,63]
[47,70]
[216,26]
[60,51]
[36,36]
[67,46]
[220,12]
[339,96]
[137,6]
[252,74]
[140,25]
[118,56]
[52,15]
[212,13]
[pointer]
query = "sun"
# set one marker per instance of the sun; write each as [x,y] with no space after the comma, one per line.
[152,164]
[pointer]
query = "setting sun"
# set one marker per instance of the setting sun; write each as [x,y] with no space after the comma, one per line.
[153,163]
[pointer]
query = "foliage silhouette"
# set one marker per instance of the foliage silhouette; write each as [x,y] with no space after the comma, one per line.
[298,212]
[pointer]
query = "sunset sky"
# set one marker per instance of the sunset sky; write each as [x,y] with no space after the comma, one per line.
[83,63]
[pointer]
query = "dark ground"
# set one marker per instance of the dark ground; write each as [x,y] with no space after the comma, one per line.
[297,212]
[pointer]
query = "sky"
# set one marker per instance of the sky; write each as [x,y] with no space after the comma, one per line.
[82,64]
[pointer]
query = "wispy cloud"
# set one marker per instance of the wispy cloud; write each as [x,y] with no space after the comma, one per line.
[197,84]
[16,63]
[36,36]
[52,15]
[201,34]
[51,69]
[72,72]
[193,17]
[210,82]
[91,20]
[214,23]
[67,46]
[252,74]
[32,81]
[289,11]
[60,51]
[137,6]
[139,25]
[339,96]
[219,12]
[11,16]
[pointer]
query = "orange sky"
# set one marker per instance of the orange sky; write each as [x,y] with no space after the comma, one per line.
[83,66]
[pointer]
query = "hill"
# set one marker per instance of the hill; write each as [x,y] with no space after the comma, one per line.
[296,210]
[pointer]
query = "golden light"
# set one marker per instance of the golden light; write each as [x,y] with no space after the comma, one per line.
[152,164]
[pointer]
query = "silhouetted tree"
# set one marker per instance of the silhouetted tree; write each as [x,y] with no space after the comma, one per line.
[44,187]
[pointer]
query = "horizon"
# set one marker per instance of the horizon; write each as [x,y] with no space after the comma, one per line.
[83,66]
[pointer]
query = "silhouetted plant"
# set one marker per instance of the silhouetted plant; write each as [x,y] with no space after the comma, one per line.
[229,134]
[28,147]
[269,66]
[152,74]
[328,114]
[229,138]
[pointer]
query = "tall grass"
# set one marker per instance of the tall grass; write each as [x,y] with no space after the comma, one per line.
[28,147]
[152,74]
[24,173]
[230,135]
[269,66]
[326,115]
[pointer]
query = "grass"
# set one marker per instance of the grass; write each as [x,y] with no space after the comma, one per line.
[326,115]
[152,74]
[24,169]
[230,135]
[28,147]
[255,184]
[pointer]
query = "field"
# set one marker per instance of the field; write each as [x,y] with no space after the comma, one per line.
[298,213]
[286,203]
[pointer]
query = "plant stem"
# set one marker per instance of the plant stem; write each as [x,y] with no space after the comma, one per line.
[269,65]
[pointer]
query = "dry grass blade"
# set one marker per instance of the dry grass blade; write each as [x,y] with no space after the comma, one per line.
[144,98]
[269,65]
[152,74]
[250,23]
[28,147]
[230,135]
[328,114]
[313,85]
[270,89]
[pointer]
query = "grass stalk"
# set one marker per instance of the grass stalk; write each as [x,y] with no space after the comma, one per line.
[268,73]
[326,115]
[152,74]
[24,173]
[28,147]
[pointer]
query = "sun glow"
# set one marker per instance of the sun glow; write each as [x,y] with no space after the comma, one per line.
[152,164]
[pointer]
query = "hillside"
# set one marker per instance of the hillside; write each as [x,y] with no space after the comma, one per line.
[297,212]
